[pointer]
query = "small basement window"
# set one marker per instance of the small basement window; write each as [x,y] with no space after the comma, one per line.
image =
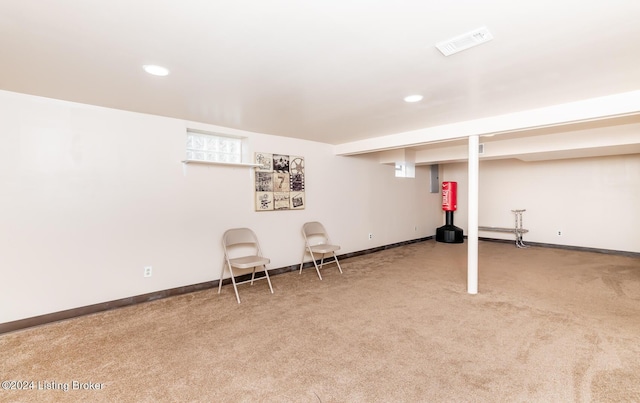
[212,147]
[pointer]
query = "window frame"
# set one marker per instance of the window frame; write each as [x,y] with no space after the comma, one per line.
[212,153]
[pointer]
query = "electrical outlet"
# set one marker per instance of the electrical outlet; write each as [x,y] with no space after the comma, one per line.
[370,235]
[559,233]
[148,271]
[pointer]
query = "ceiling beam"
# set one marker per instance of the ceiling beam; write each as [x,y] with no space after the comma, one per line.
[608,107]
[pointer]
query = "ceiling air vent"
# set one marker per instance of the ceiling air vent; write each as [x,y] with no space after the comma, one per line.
[464,41]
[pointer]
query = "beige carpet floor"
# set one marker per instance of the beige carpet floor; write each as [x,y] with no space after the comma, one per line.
[548,325]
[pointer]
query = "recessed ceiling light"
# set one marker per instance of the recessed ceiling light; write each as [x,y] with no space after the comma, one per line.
[156,70]
[413,98]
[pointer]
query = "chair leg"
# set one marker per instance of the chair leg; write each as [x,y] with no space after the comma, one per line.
[235,287]
[266,273]
[304,252]
[313,258]
[253,275]
[337,262]
[221,274]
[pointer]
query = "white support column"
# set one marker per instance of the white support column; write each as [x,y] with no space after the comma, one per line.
[472,227]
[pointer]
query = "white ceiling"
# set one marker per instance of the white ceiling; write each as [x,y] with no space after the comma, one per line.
[333,71]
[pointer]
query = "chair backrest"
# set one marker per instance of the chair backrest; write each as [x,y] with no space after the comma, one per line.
[241,236]
[313,228]
[315,232]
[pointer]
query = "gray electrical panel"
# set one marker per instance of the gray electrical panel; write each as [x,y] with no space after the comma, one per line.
[435,178]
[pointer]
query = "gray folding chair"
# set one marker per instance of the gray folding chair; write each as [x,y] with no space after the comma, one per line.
[317,243]
[242,251]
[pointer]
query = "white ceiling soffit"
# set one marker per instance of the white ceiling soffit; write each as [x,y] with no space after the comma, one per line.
[590,110]
[616,136]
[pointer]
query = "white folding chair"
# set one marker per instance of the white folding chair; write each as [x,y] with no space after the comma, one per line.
[316,242]
[242,251]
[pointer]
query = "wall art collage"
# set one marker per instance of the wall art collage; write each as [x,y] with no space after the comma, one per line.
[279,182]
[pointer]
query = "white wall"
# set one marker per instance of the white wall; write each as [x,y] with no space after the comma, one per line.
[592,201]
[89,196]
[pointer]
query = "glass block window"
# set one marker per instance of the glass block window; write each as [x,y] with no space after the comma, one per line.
[213,148]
